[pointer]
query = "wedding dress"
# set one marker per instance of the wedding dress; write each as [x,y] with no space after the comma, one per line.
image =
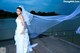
[22,40]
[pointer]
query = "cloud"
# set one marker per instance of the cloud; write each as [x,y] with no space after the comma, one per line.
[30,2]
[45,4]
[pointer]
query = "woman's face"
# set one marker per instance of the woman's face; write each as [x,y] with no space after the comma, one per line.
[18,11]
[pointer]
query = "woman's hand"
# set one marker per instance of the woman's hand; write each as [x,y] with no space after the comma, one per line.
[22,32]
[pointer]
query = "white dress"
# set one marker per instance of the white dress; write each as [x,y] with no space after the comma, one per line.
[21,40]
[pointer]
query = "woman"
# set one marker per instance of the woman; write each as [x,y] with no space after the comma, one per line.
[21,38]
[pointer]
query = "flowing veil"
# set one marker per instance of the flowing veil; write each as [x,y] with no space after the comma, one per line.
[39,24]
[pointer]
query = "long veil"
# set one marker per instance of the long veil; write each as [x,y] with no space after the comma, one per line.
[39,24]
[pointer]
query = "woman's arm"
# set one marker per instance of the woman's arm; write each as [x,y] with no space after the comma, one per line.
[22,32]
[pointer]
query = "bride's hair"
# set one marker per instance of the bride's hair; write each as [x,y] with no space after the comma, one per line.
[19,8]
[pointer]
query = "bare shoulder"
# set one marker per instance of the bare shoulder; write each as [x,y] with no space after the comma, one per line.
[21,16]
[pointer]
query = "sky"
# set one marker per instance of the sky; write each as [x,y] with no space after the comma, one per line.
[57,6]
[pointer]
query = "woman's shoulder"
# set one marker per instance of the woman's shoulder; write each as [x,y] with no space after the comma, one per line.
[20,16]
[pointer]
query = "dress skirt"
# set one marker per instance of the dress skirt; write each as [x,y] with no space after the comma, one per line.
[22,43]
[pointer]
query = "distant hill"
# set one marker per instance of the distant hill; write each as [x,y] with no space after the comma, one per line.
[7,14]
[44,14]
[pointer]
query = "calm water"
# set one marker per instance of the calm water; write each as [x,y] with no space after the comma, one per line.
[7,28]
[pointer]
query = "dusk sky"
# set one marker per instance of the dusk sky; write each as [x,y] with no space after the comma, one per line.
[57,6]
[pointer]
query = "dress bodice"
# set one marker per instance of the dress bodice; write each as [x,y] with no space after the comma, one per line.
[19,25]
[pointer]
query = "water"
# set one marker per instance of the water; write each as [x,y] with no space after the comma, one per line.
[7,28]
